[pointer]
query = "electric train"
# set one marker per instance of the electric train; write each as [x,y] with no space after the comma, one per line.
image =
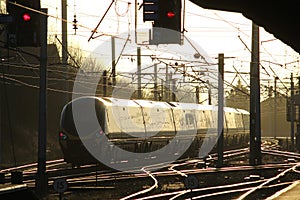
[95,127]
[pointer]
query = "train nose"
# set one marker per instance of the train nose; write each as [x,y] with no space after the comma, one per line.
[87,116]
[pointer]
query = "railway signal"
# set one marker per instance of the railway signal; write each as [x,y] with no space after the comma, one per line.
[169,15]
[166,16]
[25,26]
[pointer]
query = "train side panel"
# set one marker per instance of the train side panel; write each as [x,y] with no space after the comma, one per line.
[124,117]
[159,124]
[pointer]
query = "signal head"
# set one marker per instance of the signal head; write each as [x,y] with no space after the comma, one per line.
[26,17]
[170,14]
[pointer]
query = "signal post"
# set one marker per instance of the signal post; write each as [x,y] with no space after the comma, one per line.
[41,179]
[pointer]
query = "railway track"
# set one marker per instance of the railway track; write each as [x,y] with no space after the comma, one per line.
[170,181]
[273,181]
[32,166]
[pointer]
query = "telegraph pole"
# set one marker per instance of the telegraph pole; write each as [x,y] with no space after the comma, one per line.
[41,179]
[255,127]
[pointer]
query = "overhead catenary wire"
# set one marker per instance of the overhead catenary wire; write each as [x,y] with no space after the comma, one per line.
[234,24]
[203,82]
[247,46]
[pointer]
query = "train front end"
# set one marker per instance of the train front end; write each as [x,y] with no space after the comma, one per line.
[81,119]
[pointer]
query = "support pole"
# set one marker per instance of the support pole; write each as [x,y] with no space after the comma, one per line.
[41,179]
[209,92]
[220,143]
[170,96]
[64,41]
[104,83]
[298,120]
[139,72]
[167,86]
[292,104]
[162,90]
[113,61]
[275,107]
[173,89]
[64,29]
[155,83]
[255,126]
[197,94]
[135,19]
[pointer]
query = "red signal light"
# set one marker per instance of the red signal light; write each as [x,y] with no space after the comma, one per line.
[26,17]
[170,14]
[62,136]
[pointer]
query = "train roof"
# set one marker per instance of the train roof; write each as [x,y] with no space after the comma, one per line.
[190,106]
[119,102]
[229,109]
[148,103]
[243,111]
